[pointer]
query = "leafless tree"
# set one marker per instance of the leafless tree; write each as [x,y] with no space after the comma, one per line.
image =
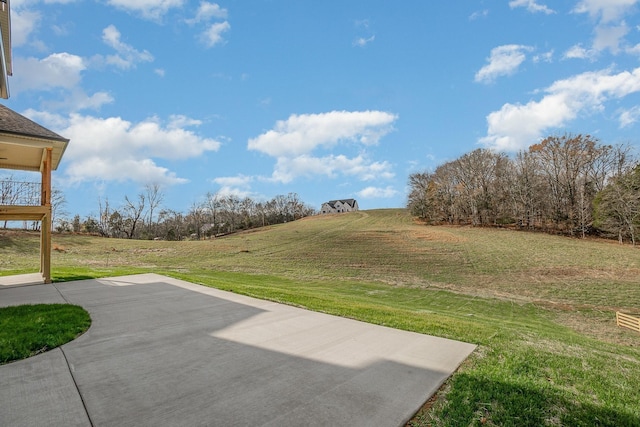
[155,197]
[58,207]
[195,219]
[172,224]
[618,206]
[103,217]
[133,212]
[553,184]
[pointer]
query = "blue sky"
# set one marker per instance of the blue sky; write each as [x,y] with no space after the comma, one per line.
[331,99]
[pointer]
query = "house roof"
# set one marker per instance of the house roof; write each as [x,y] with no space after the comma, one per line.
[23,141]
[350,202]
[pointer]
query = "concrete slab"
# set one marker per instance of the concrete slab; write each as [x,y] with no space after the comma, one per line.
[162,351]
[40,391]
[30,294]
[21,280]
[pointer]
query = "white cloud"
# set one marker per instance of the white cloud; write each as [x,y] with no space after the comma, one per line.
[363,27]
[100,168]
[23,23]
[63,72]
[504,61]
[516,126]
[148,9]
[159,71]
[293,141]
[213,35]
[113,149]
[479,14]
[531,5]
[234,181]
[605,10]
[289,168]
[610,37]
[377,193]
[58,70]
[177,121]
[127,56]
[362,42]
[49,119]
[76,99]
[544,57]
[235,185]
[301,134]
[206,12]
[610,29]
[629,117]
[60,30]
[362,23]
[579,52]
[634,50]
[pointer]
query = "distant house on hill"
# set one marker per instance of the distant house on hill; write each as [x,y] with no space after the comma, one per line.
[339,206]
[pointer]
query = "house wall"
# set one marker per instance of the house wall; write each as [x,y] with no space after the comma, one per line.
[326,209]
[338,207]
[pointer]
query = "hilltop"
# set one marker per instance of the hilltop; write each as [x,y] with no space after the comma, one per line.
[540,307]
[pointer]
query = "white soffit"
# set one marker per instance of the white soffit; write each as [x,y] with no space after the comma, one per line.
[5,48]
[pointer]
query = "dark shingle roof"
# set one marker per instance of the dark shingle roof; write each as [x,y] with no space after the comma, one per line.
[14,123]
[350,202]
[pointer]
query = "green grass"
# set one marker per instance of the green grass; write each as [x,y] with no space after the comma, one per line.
[540,308]
[27,330]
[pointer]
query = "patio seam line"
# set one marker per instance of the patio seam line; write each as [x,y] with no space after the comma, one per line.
[73,378]
[75,383]
[61,294]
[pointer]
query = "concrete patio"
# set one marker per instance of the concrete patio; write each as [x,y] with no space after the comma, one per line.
[162,351]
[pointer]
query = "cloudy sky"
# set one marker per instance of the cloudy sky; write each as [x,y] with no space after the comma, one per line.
[328,99]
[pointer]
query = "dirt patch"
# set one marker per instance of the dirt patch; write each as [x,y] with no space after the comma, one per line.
[152,250]
[434,235]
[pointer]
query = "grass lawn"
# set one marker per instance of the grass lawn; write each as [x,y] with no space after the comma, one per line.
[27,330]
[541,308]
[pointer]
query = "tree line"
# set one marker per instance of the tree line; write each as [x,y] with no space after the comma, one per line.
[569,184]
[143,217]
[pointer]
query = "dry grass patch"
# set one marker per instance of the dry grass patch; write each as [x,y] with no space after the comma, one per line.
[435,235]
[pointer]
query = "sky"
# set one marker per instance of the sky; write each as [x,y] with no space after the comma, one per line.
[328,99]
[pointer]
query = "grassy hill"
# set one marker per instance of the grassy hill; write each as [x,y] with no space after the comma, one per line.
[541,308]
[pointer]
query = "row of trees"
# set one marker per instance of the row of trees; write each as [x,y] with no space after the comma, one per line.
[617,207]
[143,217]
[570,184]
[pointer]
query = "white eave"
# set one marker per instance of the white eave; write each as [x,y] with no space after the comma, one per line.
[5,48]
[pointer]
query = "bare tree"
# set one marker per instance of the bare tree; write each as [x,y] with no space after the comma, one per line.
[553,184]
[230,207]
[58,204]
[103,217]
[154,197]
[421,198]
[212,208]
[618,206]
[247,208]
[566,161]
[172,224]
[132,214]
[195,219]
[447,192]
